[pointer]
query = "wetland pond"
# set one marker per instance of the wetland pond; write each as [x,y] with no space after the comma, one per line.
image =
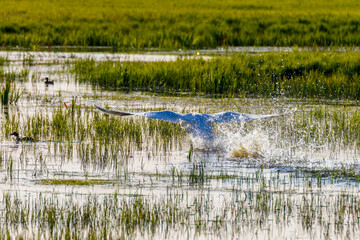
[89,175]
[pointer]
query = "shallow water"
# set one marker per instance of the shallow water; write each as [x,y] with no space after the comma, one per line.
[284,157]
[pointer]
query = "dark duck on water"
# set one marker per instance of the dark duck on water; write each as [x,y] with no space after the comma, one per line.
[48,82]
[24,139]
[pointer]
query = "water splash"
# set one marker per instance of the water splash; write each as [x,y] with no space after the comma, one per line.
[266,146]
[252,145]
[235,142]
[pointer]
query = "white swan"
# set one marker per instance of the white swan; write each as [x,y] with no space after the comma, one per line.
[195,124]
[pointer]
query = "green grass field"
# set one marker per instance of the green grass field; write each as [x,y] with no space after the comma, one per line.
[184,24]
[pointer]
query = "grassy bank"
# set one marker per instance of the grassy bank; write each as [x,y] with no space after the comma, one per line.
[299,74]
[184,24]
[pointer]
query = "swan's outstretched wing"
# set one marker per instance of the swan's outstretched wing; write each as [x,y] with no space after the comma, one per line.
[113,112]
[228,117]
[194,123]
[161,115]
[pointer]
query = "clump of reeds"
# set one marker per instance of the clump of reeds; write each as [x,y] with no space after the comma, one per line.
[3,61]
[8,93]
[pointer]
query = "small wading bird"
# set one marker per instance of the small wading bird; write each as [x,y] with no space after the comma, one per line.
[195,124]
[48,82]
[19,139]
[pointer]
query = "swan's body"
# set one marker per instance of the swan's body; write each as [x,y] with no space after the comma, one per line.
[196,124]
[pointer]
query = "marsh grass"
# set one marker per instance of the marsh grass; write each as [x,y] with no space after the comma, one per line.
[4,93]
[327,75]
[8,92]
[74,182]
[206,196]
[14,75]
[102,139]
[345,173]
[4,61]
[199,200]
[257,200]
[99,140]
[278,201]
[180,25]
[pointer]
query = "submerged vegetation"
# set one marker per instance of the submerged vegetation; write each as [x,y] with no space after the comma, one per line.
[328,75]
[73,182]
[181,24]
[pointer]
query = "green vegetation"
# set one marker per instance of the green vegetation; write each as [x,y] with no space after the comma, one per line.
[4,93]
[102,140]
[182,24]
[8,92]
[78,182]
[344,173]
[204,197]
[257,201]
[301,74]
[3,61]
[106,138]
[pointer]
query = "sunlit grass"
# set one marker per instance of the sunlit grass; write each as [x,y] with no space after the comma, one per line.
[328,75]
[181,25]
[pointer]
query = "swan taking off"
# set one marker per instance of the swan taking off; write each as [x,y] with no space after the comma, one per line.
[198,125]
